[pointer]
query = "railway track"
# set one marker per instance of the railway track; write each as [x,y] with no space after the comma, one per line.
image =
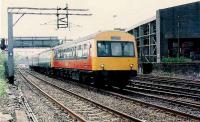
[169,78]
[31,115]
[150,103]
[145,87]
[80,108]
[162,86]
[169,88]
[191,84]
[166,98]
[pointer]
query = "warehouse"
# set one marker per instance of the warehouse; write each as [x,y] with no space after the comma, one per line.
[173,32]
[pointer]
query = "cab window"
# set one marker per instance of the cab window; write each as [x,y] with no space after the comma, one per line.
[115,49]
[128,49]
[103,49]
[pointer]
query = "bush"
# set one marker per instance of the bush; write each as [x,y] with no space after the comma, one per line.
[2,73]
[175,60]
[2,87]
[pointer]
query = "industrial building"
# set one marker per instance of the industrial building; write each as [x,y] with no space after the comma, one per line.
[173,32]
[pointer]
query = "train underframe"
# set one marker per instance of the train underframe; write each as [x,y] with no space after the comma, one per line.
[99,78]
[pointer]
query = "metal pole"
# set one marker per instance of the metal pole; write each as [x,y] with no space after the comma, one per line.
[10,49]
[178,38]
[67,15]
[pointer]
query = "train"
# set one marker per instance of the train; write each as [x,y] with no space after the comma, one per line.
[104,58]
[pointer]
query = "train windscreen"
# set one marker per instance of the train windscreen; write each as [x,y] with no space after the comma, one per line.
[115,49]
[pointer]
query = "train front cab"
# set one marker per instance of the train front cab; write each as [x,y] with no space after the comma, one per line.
[114,58]
[111,60]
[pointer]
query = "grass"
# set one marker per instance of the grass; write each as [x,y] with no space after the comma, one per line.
[2,74]
[2,87]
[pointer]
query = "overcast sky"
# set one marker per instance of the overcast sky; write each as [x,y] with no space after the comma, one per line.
[107,14]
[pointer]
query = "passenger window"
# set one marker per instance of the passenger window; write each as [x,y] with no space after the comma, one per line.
[85,51]
[103,49]
[73,53]
[79,52]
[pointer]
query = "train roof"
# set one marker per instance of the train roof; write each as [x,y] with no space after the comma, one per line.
[86,38]
[79,40]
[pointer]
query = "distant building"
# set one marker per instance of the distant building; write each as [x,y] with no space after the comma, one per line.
[173,32]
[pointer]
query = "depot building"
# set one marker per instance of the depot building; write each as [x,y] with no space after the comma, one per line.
[173,32]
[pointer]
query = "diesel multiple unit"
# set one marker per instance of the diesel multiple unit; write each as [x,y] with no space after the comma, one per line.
[108,57]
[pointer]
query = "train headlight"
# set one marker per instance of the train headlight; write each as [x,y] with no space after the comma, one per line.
[102,66]
[131,66]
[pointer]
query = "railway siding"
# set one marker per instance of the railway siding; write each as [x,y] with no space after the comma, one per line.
[135,108]
[86,108]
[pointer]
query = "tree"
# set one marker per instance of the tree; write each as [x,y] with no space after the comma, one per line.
[3,45]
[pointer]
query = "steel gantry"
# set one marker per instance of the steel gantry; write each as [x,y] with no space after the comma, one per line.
[62,15]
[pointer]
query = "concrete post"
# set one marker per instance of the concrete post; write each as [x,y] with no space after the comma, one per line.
[158,38]
[10,49]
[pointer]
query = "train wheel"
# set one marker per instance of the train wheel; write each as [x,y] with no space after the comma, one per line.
[81,77]
[98,82]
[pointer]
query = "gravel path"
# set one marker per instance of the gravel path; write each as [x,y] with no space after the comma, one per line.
[10,102]
[44,110]
[139,111]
